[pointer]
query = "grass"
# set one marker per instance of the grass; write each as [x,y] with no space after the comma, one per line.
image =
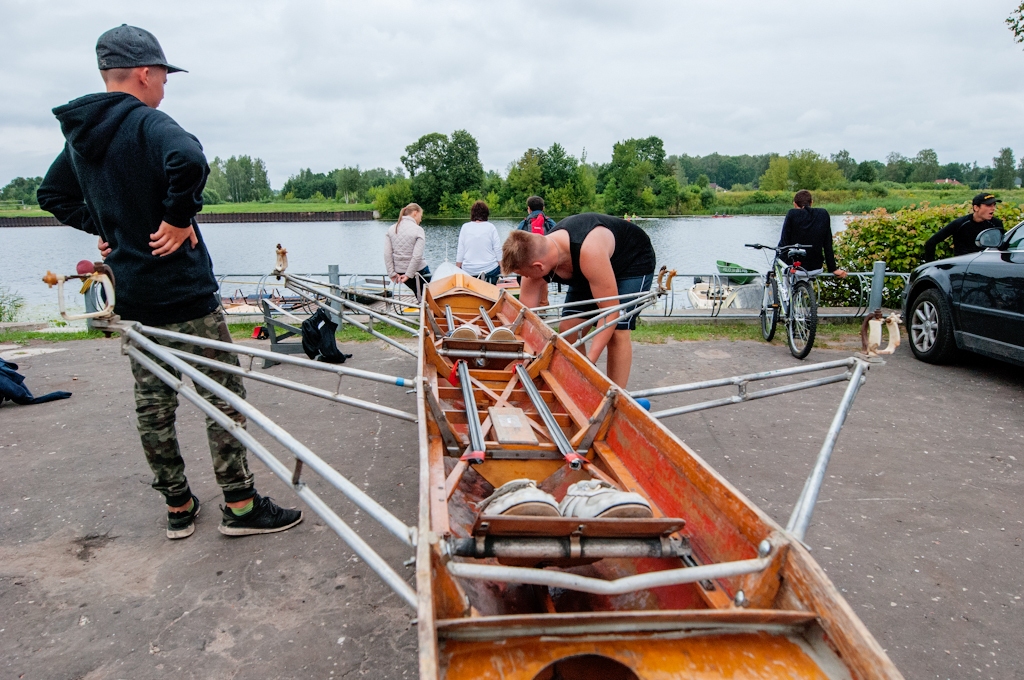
[660,333]
[23,337]
[349,333]
[285,206]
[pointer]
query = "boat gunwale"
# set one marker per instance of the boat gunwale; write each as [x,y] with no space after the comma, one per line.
[497,627]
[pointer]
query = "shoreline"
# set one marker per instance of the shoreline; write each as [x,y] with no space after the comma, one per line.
[226,218]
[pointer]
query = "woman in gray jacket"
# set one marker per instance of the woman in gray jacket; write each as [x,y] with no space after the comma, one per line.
[403,250]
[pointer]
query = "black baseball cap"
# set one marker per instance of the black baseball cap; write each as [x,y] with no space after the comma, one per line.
[128,47]
[985,199]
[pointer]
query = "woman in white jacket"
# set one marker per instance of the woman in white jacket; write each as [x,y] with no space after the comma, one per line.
[403,250]
[479,246]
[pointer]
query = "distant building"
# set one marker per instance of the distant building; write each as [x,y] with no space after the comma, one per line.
[715,187]
[948,181]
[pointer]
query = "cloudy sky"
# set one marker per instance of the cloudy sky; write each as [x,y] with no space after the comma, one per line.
[325,84]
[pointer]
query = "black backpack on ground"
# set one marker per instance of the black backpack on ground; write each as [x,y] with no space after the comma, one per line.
[318,341]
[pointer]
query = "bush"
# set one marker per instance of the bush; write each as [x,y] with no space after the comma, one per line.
[211,197]
[707,197]
[390,199]
[898,240]
[10,304]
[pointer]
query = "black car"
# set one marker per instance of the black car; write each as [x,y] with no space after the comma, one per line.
[973,302]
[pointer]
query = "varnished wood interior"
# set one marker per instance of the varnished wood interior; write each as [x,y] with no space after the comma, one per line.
[636,453]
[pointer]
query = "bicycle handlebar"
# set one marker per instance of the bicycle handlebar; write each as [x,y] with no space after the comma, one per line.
[758,246]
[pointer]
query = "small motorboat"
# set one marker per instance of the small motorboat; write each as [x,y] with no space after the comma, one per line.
[736,274]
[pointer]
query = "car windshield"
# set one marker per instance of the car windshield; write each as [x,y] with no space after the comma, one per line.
[1016,238]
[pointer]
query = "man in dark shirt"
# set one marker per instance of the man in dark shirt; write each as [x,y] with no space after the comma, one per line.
[811,227]
[598,256]
[131,176]
[965,230]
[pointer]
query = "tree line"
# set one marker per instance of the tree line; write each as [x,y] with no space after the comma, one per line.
[443,173]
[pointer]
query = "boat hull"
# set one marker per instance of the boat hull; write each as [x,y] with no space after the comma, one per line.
[783,619]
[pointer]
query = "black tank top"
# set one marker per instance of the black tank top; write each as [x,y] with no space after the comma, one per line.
[633,255]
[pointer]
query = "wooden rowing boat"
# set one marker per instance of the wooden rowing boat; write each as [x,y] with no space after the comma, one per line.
[524,597]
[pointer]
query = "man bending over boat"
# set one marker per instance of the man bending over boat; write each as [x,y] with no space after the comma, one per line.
[130,175]
[598,256]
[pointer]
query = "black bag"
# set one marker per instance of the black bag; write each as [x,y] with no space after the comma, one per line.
[318,340]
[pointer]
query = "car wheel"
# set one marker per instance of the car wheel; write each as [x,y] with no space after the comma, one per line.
[930,327]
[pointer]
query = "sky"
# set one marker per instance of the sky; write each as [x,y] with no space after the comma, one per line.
[323,84]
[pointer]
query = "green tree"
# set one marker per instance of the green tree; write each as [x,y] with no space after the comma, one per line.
[865,172]
[925,166]
[525,176]
[349,183]
[211,196]
[239,179]
[810,170]
[846,164]
[424,160]
[260,181]
[462,163]
[441,166]
[307,184]
[636,163]
[557,167]
[667,190]
[217,181]
[1016,23]
[240,176]
[776,176]
[391,198]
[897,168]
[22,189]
[1003,170]
[702,181]
[953,171]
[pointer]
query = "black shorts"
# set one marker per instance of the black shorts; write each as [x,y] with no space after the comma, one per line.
[633,284]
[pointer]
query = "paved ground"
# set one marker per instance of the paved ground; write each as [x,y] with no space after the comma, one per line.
[919,523]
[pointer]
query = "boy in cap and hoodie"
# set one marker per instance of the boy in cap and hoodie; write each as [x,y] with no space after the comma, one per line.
[965,230]
[134,178]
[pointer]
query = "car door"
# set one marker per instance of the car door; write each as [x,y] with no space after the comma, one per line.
[992,300]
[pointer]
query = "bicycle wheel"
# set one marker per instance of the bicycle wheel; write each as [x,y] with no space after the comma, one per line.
[802,323]
[769,309]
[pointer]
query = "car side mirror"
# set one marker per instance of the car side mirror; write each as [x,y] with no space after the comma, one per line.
[990,238]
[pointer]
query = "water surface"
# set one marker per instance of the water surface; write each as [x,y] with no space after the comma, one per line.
[689,244]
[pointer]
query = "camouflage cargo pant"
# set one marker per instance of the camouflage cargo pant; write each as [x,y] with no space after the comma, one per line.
[155,404]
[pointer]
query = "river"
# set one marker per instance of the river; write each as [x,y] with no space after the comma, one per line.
[689,244]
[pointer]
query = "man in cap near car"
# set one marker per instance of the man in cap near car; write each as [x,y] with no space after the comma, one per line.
[965,230]
[131,176]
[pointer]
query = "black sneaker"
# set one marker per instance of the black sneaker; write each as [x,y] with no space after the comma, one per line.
[264,518]
[183,524]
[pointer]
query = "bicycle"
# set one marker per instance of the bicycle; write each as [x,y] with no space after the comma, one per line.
[797,304]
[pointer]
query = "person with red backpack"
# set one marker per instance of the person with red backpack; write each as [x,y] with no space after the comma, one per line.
[536,221]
